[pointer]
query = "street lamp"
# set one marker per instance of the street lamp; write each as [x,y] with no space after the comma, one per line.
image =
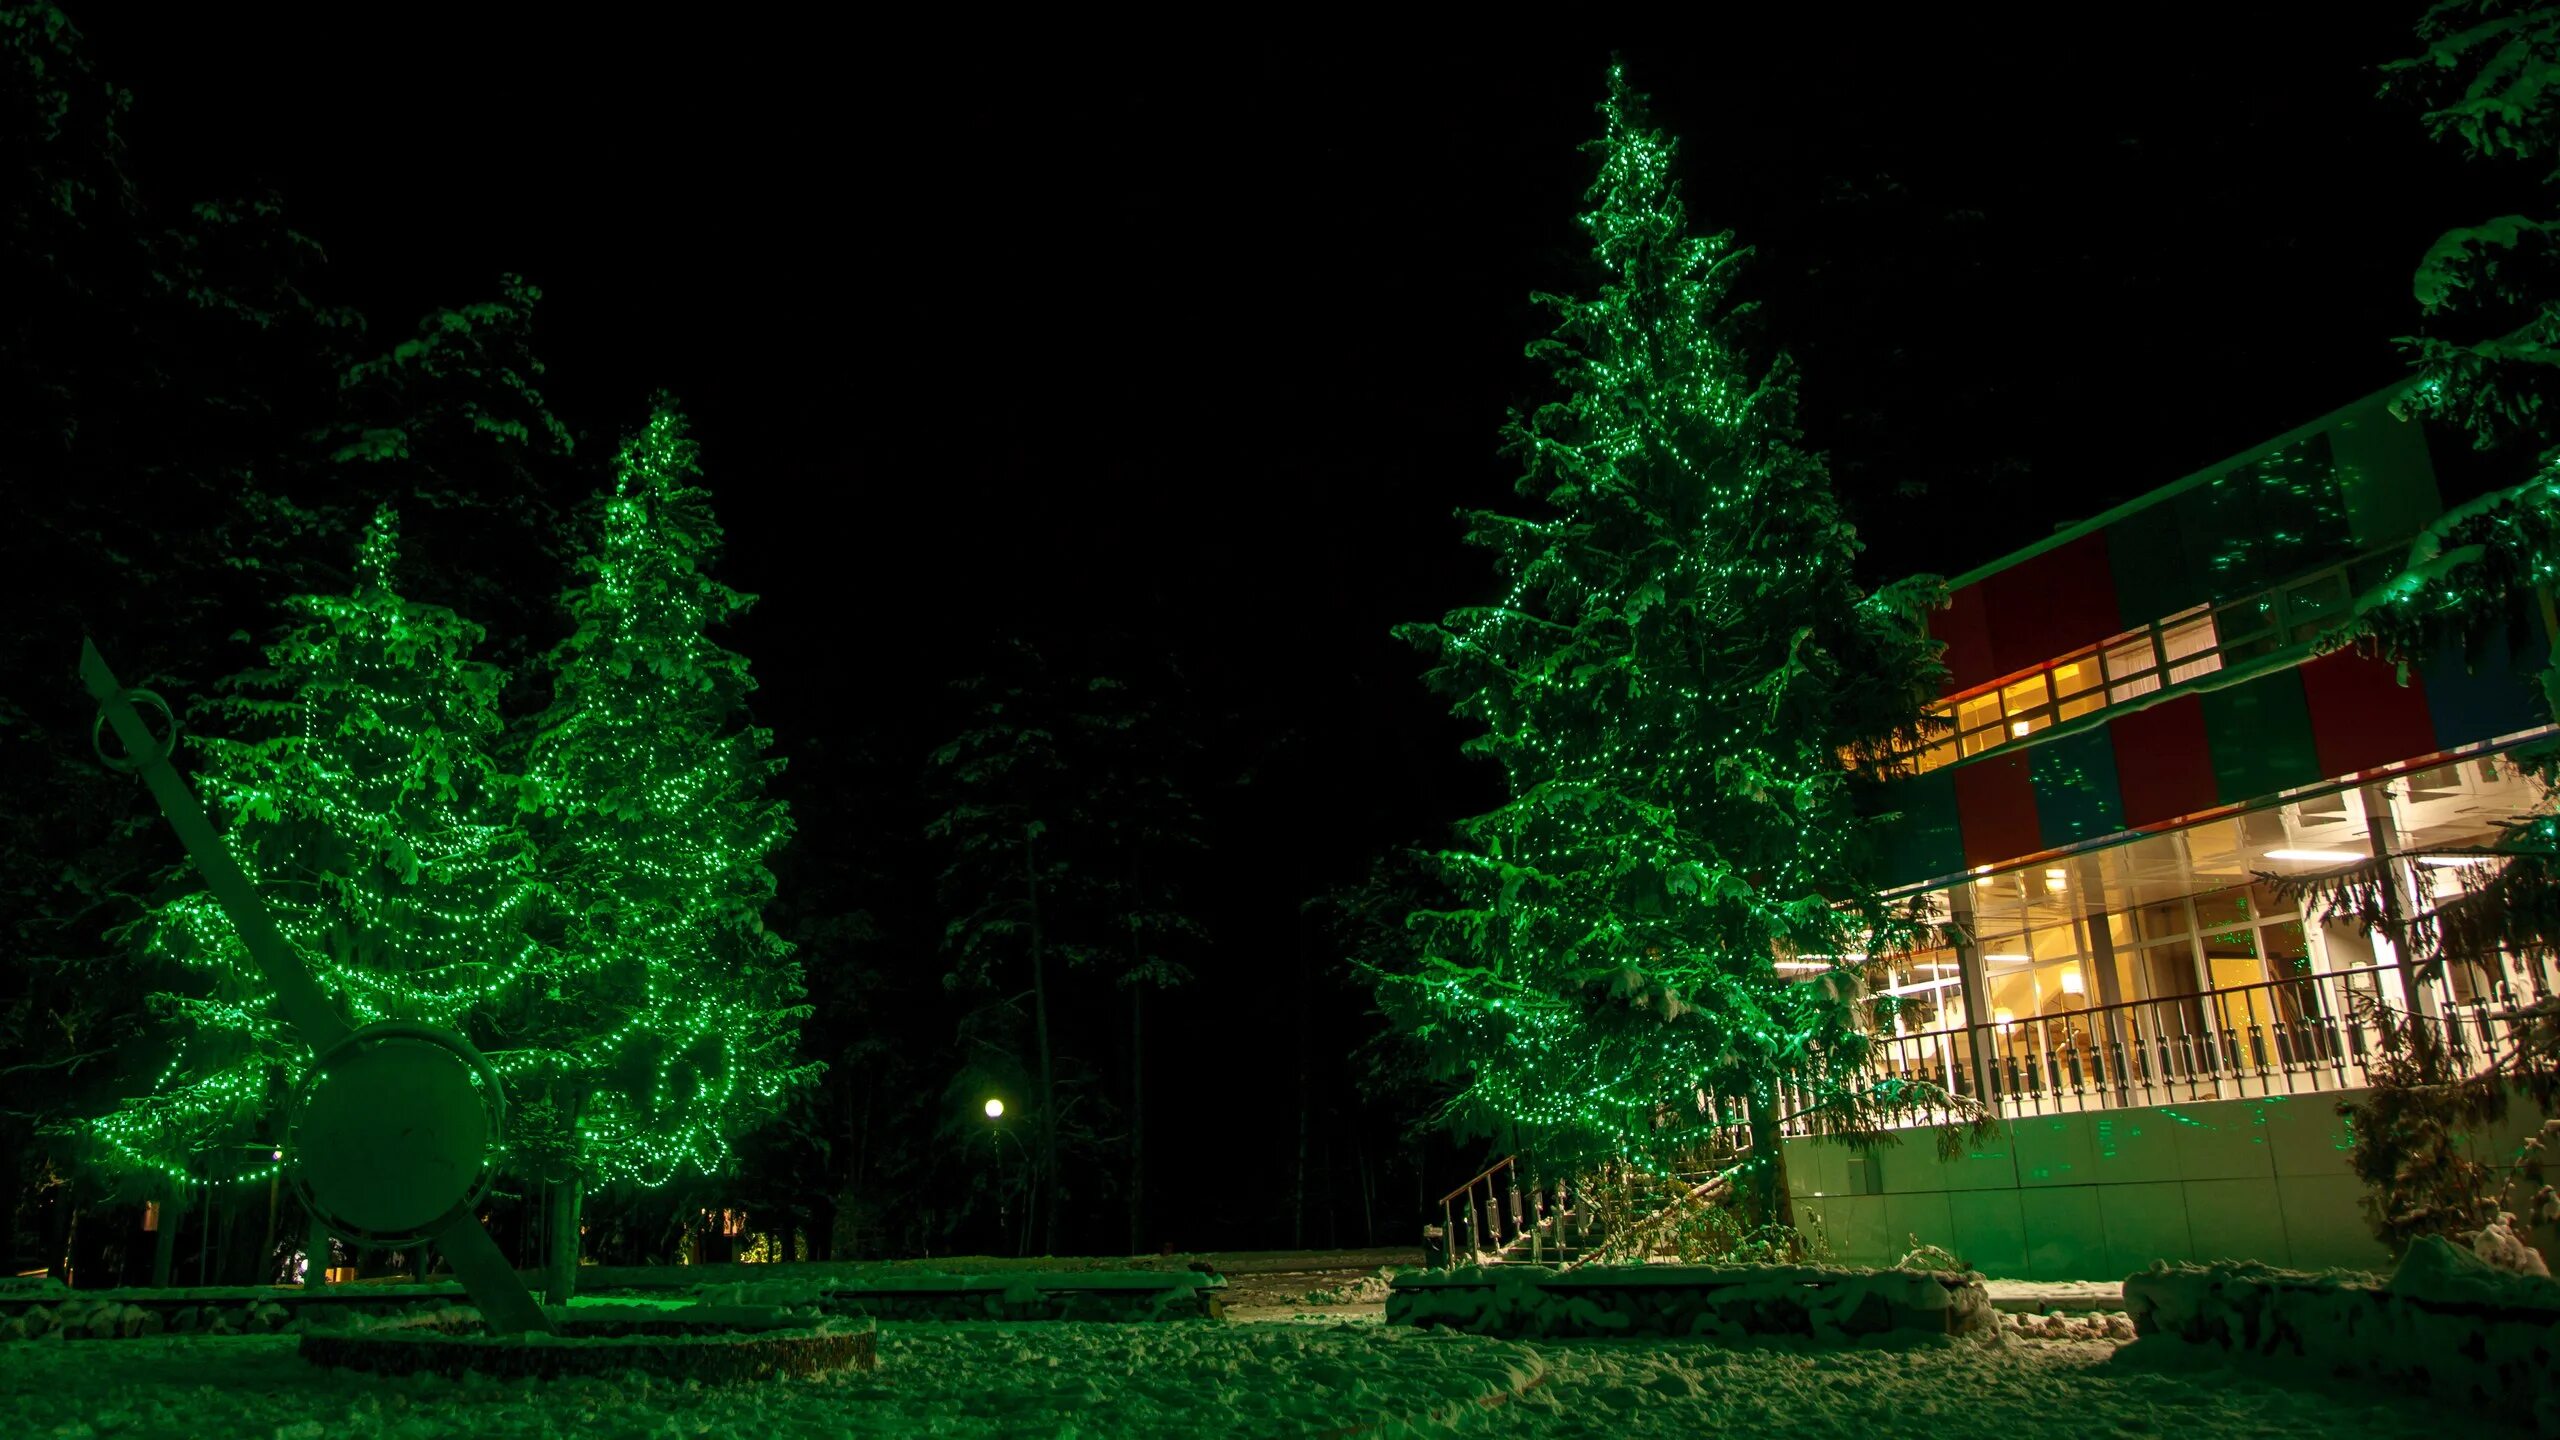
[995,1136]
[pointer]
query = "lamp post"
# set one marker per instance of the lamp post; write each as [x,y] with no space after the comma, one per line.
[995,1131]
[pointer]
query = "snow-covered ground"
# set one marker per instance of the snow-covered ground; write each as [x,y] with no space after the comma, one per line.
[1308,1378]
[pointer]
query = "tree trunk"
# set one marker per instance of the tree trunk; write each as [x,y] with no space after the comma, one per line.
[164,1245]
[560,1279]
[1306,1104]
[1048,1187]
[267,1247]
[1137,1117]
[1770,1203]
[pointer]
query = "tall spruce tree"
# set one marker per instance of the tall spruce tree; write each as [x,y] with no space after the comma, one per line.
[2476,581]
[666,1020]
[1669,913]
[358,779]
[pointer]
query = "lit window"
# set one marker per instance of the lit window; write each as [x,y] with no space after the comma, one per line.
[2132,669]
[2190,647]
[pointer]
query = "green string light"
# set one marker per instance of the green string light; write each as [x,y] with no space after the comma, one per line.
[1679,661]
[650,786]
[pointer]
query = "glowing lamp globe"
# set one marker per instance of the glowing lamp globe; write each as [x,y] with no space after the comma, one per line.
[995,1109]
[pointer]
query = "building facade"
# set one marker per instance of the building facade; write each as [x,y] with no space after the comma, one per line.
[2137,731]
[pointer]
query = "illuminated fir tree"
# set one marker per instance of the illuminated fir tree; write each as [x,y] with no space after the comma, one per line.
[357,777]
[666,1020]
[1665,918]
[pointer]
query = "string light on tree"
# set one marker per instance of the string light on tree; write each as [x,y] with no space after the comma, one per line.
[357,776]
[649,783]
[1678,665]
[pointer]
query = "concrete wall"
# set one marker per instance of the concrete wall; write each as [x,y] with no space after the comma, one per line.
[2101,1194]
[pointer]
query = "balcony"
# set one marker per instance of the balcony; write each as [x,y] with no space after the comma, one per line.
[2297,1038]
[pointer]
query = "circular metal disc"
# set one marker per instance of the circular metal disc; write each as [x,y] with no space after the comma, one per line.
[392,1134]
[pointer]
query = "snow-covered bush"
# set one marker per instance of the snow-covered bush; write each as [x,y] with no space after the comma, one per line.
[2447,1324]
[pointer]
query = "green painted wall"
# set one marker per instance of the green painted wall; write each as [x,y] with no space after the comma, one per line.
[2101,1194]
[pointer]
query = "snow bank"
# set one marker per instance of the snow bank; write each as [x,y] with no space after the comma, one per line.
[1254,1382]
[1726,1302]
[2446,1325]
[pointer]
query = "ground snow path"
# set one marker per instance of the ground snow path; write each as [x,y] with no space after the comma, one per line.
[1247,1379]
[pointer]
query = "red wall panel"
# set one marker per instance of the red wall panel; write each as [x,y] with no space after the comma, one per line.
[2164,766]
[1961,625]
[1996,809]
[2362,717]
[2051,605]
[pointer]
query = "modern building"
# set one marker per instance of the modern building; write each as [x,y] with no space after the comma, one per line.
[2138,732]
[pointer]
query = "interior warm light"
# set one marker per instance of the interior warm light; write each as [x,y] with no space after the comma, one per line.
[2007,959]
[2056,884]
[2452,862]
[2017,728]
[2004,1017]
[2335,857]
[2072,984]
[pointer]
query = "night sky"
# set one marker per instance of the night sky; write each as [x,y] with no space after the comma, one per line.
[1205,338]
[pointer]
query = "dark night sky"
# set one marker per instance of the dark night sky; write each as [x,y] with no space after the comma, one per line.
[1207,339]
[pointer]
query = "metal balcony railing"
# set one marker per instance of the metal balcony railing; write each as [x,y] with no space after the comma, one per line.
[2278,1037]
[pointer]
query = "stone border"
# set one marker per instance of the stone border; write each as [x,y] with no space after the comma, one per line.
[1737,1302]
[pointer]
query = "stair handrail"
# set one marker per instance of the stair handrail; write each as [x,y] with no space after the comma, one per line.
[1645,1228]
[1496,1168]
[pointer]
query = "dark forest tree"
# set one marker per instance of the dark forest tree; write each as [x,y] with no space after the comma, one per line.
[1671,911]
[194,436]
[1069,832]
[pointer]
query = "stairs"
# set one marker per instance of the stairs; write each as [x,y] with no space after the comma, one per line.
[1502,1217]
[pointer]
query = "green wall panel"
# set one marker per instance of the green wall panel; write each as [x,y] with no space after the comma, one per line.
[1924,839]
[2267,519]
[2149,563]
[2260,733]
[2384,476]
[2076,794]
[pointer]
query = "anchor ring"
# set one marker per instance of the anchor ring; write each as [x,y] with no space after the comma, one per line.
[126,764]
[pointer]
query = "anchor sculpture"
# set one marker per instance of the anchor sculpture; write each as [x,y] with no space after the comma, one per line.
[393,1124]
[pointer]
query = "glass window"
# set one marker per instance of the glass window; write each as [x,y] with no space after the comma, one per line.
[1978,720]
[2024,695]
[2315,605]
[2286,948]
[2247,630]
[2190,648]
[2224,910]
[2160,922]
[2132,668]
[2168,969]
